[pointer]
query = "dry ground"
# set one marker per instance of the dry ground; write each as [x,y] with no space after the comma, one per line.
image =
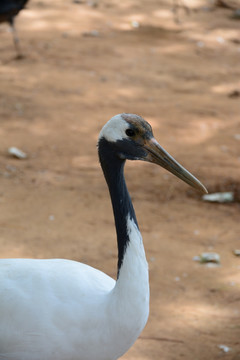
[84,64]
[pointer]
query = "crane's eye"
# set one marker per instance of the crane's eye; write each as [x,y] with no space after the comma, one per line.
[130,132]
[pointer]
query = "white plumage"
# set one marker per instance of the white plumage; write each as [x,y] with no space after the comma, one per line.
[60,309]
[64,310]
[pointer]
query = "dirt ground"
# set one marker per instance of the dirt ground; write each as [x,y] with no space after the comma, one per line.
[85,62]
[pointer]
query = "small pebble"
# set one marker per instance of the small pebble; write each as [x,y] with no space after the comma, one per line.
[210,258]
[236,252]
[135,24]
[204,258]
[17,153]
[224,197]
[224,348]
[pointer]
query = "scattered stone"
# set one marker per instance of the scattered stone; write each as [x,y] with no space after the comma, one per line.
[224,348]
[208,258]
[236,252]
[135,24]
[221,197]
[15,152]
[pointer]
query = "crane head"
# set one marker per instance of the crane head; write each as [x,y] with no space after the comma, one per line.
[132,139]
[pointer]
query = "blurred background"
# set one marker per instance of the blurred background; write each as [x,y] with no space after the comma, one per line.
[69,67]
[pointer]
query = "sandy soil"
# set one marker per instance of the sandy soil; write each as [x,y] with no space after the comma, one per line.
[82,65]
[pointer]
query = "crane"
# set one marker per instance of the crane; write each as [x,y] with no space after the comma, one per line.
[61,309]
[8,10]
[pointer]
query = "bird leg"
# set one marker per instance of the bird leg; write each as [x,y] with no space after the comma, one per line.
[15,39]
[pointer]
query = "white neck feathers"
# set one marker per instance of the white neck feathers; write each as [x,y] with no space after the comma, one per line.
[132,287]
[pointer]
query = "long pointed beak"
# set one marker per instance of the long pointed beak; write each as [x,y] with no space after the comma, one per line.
[156,154]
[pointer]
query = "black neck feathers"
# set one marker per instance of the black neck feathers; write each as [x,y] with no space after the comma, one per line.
[113,169]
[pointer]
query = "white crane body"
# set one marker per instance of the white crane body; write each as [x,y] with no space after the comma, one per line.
[57,314]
